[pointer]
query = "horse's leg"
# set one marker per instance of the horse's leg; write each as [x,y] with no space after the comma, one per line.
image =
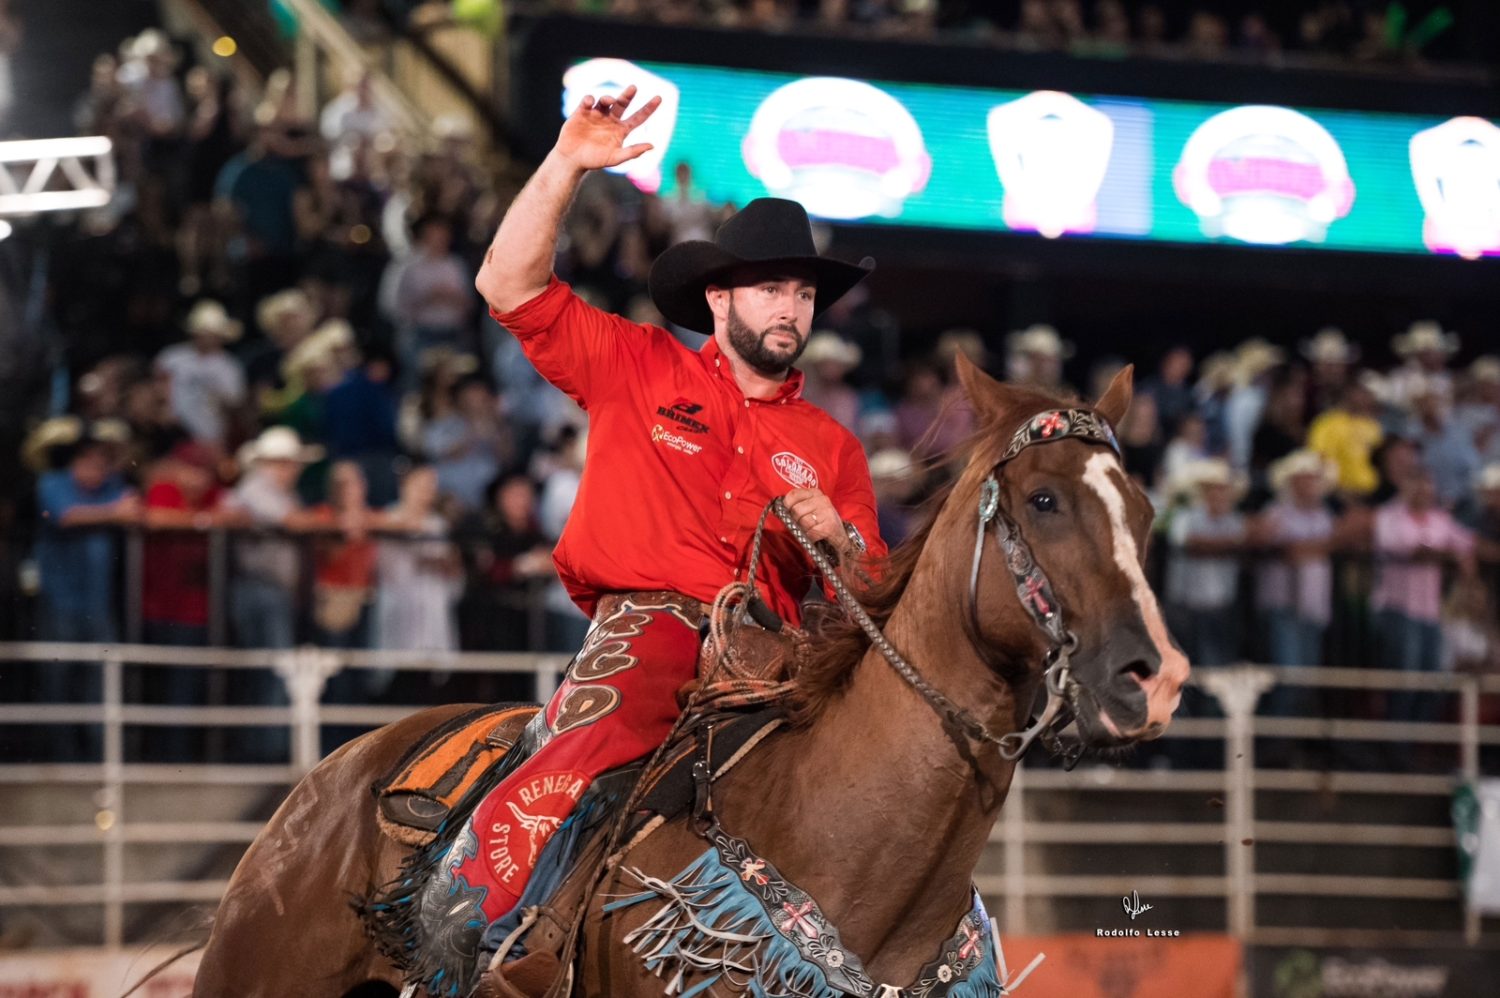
[285,926]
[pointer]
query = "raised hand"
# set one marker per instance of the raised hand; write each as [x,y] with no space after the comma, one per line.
[593,137]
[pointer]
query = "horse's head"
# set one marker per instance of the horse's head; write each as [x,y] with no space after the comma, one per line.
[1063,543]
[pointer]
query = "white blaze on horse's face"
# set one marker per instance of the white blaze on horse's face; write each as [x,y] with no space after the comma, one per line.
[1164,689]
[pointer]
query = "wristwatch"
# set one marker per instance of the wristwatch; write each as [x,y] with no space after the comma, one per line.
[855,537]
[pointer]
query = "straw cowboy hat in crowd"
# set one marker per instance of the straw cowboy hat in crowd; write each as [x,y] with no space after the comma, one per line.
[322,348]
[1216,372]
[1299,463]
[153,43]
[273,309]
[1486,368]
[1425,336]
[1488,479]
[1040,338]
[278,443]
[1209,471]
[766,232]
[59,431]
[831,348]
[1255,357]
[962,341]
[208,318]
[1330,346]
[453,362]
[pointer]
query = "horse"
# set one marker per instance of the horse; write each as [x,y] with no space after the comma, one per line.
[879,801]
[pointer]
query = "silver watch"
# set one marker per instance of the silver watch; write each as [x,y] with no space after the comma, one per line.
[855,537]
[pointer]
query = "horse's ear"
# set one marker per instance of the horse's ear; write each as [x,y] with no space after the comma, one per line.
[984,392]
[1115,401]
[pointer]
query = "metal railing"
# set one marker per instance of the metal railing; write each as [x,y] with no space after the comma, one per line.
[1238,884]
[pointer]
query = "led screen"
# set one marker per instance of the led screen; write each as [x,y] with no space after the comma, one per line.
[1064,165]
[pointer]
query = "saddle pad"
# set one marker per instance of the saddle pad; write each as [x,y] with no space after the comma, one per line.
[417,796]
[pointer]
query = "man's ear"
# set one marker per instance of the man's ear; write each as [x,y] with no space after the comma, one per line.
[718,301]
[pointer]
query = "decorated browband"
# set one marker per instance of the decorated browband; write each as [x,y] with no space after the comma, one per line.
[1061,424]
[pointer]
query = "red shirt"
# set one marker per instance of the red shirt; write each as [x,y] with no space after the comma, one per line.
[174,578]
[680,463]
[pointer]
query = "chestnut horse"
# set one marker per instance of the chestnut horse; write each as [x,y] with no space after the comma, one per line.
[878,805]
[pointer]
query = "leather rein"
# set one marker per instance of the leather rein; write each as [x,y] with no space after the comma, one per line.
[1032,588]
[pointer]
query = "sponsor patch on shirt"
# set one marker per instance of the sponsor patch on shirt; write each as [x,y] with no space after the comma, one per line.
[661,435]
[794,470]
[682,412]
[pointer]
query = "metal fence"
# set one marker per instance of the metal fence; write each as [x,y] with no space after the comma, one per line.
[1236,884]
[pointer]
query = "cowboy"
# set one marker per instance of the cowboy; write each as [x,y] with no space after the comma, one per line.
[206,382]
[685,451]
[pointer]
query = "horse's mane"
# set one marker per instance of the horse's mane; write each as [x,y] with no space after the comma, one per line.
[838,643]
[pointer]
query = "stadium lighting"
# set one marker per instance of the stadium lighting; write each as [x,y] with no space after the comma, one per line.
[224,47]
[58,178]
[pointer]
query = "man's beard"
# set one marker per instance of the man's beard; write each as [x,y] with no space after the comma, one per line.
[752,348]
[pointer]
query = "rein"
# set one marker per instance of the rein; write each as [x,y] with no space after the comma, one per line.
[1032,588]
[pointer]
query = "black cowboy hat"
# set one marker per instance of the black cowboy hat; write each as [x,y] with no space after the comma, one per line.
[765,231]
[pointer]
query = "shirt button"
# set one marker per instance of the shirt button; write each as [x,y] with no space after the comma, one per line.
[723,540]
[739,450]
[728,495]
[747,403]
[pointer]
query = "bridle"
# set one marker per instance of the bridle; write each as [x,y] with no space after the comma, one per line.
[1032,588]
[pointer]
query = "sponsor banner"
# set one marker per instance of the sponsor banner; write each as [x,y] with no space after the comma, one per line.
[1127,966]
[94,973]
[1290,972]
[1066,165]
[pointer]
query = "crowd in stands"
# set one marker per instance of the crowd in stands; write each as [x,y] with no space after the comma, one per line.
[1355,31]
[274,330]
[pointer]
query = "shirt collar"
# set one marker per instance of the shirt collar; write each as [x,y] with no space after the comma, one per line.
[714,360]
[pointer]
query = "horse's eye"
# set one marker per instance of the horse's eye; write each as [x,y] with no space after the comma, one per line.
[1043,501]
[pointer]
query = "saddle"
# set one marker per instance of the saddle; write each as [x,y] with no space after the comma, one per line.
[426,800]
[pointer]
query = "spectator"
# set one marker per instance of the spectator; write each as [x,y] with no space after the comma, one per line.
[561,473]
[896,482]
[1332,358]
[1035,357]
[350,120]
[1478,408]
[420,574]
[434,296]
[344,560]
[212,137]
[1448,450]
[205,383]
[1256,362]
[1282,430]
[263,592]
[253,197]
[286,318]
[1187,448]
[361,418]
[1211,398]
[181,503]
[470,444]
[1347,436]
[1426,348]
[1414,537]
[825,363]
[1395,459]
[689,214]
[1140,441]
[1294,585]
[1172,387]
[507,557]
[76,555]
[1203,570]
[312,371]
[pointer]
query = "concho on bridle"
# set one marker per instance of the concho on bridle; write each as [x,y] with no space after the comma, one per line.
[1033,588]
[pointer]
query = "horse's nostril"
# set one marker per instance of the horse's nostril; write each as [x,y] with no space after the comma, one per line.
[1139,670]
